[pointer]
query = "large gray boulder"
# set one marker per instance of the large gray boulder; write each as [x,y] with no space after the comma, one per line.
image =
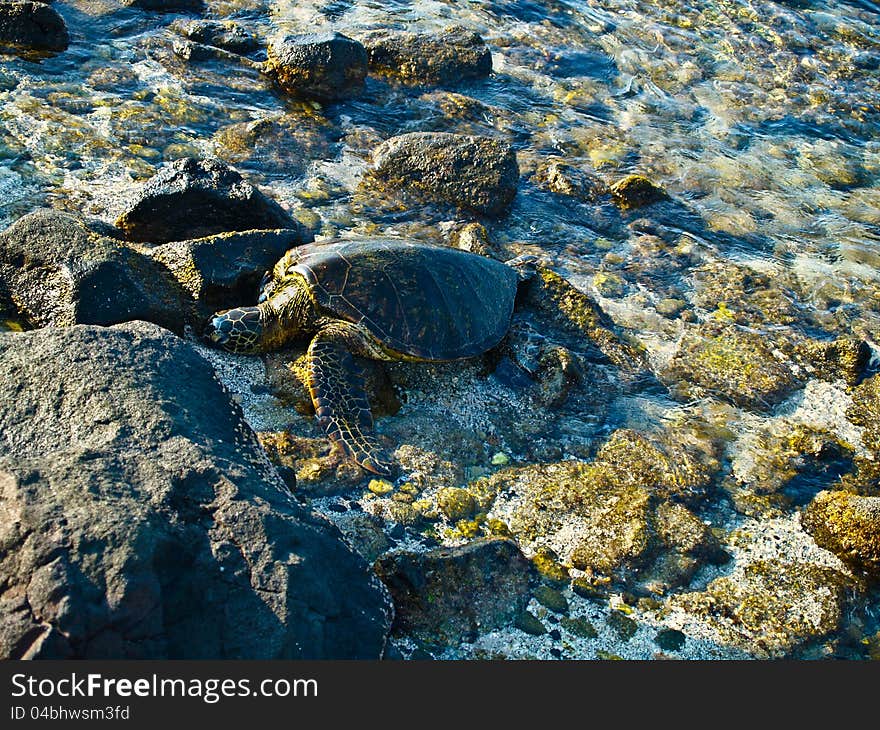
[193,198]
[58,270]
[141,518]
[471,172]
[32,27]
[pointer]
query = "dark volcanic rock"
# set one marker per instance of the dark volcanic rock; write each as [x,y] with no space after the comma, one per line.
[194,198]
[32,26]
[454,55]
[55,270]
[477,173]
[324,66]
[449,594]
[141,518]
[224,271]
[226,35]
[167,6]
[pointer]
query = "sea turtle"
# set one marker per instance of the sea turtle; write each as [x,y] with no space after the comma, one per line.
[380,298]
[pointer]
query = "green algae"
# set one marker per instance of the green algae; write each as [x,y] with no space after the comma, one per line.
[849,526]
[737,365]
[772,608]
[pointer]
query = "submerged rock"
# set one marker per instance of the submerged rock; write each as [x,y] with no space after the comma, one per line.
[740,366]
[448,57]
[848,525]
[32,26]
[145,521]
[475,173]
[56,271]
[167,6]
[636,191]
[325,66]
[194,198]
[555,296]
[563,178]
[451,594]
[219,34]
[612,516]
[769,608]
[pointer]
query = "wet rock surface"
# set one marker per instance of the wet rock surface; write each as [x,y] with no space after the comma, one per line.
[449,57]
[849,526]
[144,520]
[771,608]
[193,198]
[32,27]
[474,173]
[451,593]
[324,66]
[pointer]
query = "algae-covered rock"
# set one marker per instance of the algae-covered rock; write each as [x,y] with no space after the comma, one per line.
[844,358]
[453,55]
[195,198]
[57,271]
[737,365]
[326,66]
[574,310]
[865,412]
[611,516]
[848,525]
[636,191]
[456,503]
[470,172]
[449,594]
[28,27]
[665,466]
[769,608]
[743,295]
[564,178]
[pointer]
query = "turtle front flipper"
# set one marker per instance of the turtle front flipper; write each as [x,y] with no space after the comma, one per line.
[337,388]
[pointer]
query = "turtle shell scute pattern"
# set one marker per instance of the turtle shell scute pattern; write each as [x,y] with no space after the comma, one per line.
[423,301]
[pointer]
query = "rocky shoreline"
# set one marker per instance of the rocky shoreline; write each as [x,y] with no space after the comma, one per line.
[169,500]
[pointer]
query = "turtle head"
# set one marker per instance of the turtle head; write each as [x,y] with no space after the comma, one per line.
[237,330]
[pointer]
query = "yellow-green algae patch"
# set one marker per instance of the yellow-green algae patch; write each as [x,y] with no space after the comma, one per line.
[771,608]
[848,525]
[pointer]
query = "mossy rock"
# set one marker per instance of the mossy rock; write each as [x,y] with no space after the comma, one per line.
[771,608]
[451,594]
[848,525]
[577,312]
[552,599]
[456,503]
[636,191]
[737,365]
[864,412]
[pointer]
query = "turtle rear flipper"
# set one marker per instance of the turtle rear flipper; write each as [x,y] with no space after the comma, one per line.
[336,385]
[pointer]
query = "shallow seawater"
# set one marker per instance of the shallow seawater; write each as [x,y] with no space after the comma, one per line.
[760,120]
